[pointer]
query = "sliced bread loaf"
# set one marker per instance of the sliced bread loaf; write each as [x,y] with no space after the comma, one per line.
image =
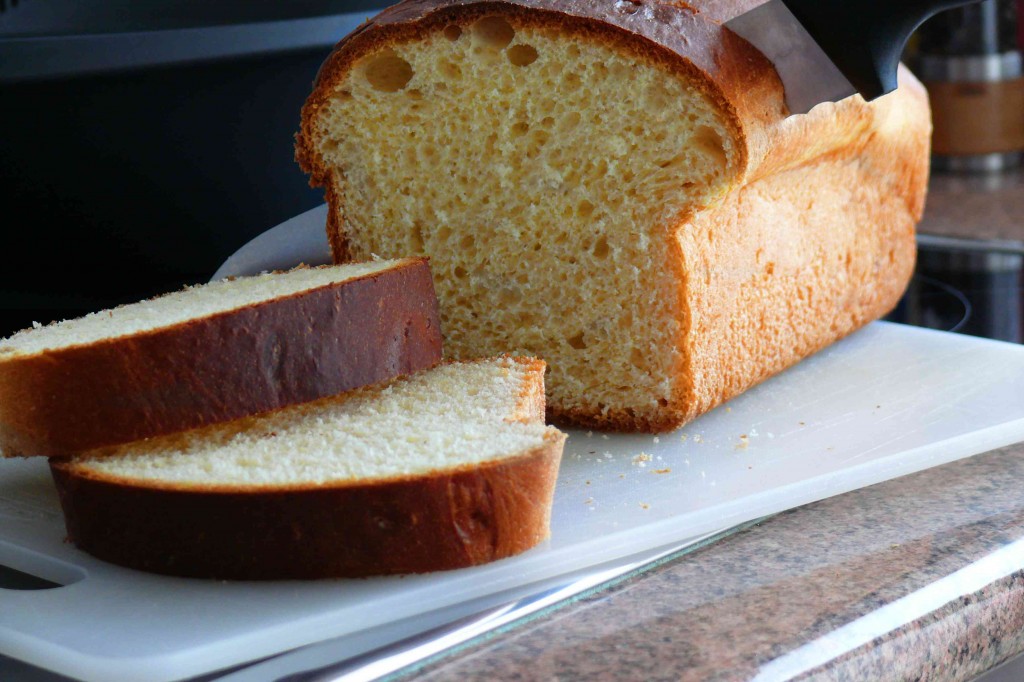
[615,186]
[213,353]
[446,468]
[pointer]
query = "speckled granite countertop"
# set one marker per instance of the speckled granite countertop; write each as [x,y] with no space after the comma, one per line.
[920,578]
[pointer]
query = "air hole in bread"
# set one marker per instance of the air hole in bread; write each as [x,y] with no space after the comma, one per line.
[519,129]
[522,55]
[387,72]
[577,341]
[601,248]
[710,143]
[493,32]
[452,32]
[450,70]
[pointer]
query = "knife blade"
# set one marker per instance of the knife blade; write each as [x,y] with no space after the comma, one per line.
[826,50]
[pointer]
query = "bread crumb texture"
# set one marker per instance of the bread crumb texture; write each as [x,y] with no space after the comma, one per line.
[455,415]
[542,194]
[182,306]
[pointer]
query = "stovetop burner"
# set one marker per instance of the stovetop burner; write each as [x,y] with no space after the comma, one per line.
[967,286]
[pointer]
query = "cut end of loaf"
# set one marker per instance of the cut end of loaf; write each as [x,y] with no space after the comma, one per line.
[496,140]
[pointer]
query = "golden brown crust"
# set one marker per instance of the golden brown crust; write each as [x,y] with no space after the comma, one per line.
[531,405]
[443,520]
[799,259]
[261,357]
[626,421]
[793,262]
[335,226]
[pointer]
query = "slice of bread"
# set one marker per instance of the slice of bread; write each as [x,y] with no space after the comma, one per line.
[214,352]
[615,186]
[446,468]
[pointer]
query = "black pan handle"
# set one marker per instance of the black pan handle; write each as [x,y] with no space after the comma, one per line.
[865,38]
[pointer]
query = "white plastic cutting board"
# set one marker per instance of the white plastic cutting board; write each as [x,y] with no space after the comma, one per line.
[885,402]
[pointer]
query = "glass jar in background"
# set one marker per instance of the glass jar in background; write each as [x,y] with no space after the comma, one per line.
[971,60]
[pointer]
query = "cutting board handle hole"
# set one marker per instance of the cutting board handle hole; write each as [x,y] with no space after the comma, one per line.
[38,573]
[13,579]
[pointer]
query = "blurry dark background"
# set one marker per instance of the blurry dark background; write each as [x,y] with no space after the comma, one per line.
[141,143]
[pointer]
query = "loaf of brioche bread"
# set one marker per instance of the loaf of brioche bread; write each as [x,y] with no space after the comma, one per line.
[615,186]
[213,353]
[446,468]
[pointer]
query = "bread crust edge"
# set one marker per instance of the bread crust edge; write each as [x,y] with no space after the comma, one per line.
[438,521]
[220,367]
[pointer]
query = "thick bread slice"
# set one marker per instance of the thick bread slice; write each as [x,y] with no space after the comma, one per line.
[212,353]
[615,187]
[446,468]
